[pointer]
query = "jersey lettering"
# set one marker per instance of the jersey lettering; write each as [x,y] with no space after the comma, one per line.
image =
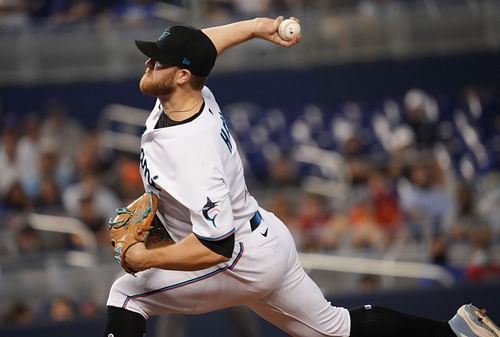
[145,171]
[224,133]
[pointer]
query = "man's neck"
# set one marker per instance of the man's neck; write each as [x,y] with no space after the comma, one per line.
[180,105]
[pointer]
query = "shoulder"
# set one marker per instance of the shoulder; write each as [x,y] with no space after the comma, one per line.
[153,115]
[208,96]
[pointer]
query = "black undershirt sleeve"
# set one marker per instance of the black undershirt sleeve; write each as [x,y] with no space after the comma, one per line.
[222,247]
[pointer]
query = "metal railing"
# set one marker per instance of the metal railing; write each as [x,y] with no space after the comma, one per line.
[83,275]
[77,272]
[67,225]
[121,127]
[358,265]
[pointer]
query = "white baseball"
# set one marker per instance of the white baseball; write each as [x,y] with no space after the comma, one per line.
[288,29]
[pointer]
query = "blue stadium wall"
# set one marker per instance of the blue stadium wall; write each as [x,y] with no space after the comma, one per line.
[288,89]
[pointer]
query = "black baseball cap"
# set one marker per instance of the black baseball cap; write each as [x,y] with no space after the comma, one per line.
[182,46]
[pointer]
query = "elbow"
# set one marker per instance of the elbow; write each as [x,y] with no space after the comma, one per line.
[222,258]
[213,259]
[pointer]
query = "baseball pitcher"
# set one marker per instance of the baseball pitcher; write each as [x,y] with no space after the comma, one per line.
[222,250]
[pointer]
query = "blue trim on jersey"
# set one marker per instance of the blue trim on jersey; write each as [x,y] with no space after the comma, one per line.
[219,238]
[188,282]
[238,257]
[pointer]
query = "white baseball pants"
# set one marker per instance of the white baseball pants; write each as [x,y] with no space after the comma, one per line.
[264,274]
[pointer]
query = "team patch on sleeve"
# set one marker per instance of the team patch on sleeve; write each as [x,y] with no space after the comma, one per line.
[213,220]
[210,211]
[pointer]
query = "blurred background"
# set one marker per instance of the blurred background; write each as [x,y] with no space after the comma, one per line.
[376,140]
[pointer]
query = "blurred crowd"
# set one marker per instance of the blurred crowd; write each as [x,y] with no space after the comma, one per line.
[417,172]
[401,183]
[55,309]
[20,13]
[50,164]
[15,14]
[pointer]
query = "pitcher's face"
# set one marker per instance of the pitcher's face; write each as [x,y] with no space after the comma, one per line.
[158,79]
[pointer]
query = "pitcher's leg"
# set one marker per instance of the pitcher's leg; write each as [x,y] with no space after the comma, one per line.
[300,309]
[376,321]
[123,323]
[297,326]
[132,300]
[157,291]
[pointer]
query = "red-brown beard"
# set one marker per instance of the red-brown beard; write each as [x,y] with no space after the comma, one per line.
[156,86]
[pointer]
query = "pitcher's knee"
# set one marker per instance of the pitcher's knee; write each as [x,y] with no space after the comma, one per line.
[118,294]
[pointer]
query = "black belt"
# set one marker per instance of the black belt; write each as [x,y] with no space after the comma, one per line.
[255,221]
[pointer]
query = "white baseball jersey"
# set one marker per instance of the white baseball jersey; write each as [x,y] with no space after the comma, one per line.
[197,173]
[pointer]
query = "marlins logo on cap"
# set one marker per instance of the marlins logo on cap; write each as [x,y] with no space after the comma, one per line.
[164,34]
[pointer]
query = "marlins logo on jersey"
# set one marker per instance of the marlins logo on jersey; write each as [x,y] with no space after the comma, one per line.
[210,211]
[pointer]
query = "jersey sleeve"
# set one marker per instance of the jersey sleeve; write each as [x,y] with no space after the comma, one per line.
[203,189]
[212,220]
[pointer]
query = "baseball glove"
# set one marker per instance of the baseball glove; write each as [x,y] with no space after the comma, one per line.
[132,225]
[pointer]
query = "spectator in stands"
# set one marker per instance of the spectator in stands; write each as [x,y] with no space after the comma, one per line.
[14,14]
[73,11]
[29,152]
[363,229]
[48,198]
[369,283]
[14,207]
[134,12]
[76,11]
[312,221]
[251,8]
[488,202]
[481,265]
[16,200]
[87,309]
[95,221]
[129,183]
[62,309]
[28,241]
[91,202]
[245,8]
[385,200]
[438,253]
[89,156]
[60,132]
[104,200]
[282,170]
[219,9]
[421,113]
[280,204]
[19,313]
[466,217]
[10,165]
[49,170]
[357,165]
[425,200]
